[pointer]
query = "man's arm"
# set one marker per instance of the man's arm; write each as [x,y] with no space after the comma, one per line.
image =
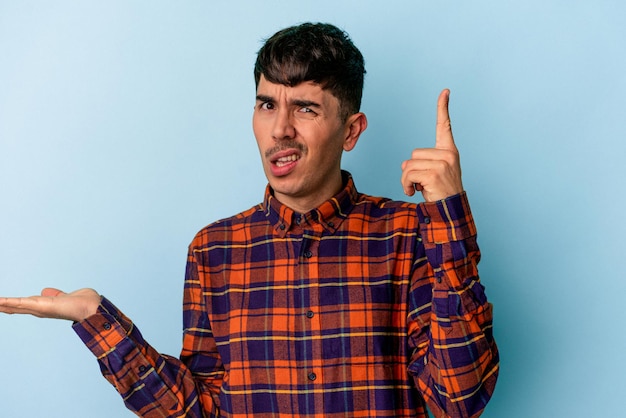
[151,384]
[454,357]
[454,360]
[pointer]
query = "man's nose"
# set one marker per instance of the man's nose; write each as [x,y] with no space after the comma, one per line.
[283,125]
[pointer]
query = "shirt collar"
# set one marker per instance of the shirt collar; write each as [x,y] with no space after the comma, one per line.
[328,215]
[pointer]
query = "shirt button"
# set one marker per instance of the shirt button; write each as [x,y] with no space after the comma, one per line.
[106,326]
[312,376]
[282,227]
[298,220]
[439,279]
[142,369]
[331,224]
[310,314]
[308,254]
[427,220]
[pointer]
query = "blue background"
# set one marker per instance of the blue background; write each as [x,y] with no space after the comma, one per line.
[125,127]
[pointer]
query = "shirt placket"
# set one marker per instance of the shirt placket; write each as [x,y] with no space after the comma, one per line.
[312,370]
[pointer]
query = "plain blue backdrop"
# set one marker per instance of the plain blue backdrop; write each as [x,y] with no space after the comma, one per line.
[125,127]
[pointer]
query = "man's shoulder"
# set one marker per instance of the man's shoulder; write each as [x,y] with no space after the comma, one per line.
[225,226]
[383,216]
[381,206]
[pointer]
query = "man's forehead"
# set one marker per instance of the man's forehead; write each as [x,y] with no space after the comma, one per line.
[306,89]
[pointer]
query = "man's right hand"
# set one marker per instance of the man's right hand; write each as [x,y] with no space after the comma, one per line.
[54,303]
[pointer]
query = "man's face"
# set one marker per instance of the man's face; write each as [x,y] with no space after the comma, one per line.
[301,138]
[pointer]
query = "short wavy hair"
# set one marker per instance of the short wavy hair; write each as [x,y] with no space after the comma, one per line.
[318,52]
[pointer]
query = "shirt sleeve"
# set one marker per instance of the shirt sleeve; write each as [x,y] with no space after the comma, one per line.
[454,359]
[152,384]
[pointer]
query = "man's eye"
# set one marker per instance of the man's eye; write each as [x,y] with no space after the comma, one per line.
[307,110]
[267,106]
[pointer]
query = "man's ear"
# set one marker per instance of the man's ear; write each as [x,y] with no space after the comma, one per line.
[355,126]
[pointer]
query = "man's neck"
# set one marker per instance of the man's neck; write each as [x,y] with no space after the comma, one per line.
[304,204]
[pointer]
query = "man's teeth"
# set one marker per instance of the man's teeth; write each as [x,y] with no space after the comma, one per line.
[286,160]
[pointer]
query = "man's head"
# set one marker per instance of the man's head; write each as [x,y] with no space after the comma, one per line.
[309,81]
[321,53]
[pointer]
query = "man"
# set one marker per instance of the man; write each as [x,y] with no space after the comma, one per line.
[320,301]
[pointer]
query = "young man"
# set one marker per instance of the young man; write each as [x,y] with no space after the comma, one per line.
[319,301]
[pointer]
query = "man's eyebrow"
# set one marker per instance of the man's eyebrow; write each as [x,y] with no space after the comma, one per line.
[295,102]
[305,103]
[264,98]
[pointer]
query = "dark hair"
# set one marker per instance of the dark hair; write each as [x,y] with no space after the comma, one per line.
[317,52]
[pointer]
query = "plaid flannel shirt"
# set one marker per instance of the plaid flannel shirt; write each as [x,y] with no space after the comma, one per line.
[362,307]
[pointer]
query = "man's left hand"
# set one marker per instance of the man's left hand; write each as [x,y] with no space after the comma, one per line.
[436,172]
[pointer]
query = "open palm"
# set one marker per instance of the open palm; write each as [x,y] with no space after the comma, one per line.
[54,303]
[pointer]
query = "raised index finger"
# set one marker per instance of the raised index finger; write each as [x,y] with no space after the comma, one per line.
[444,138]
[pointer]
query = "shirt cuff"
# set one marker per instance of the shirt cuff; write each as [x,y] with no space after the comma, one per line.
[446,220]
[104,330]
